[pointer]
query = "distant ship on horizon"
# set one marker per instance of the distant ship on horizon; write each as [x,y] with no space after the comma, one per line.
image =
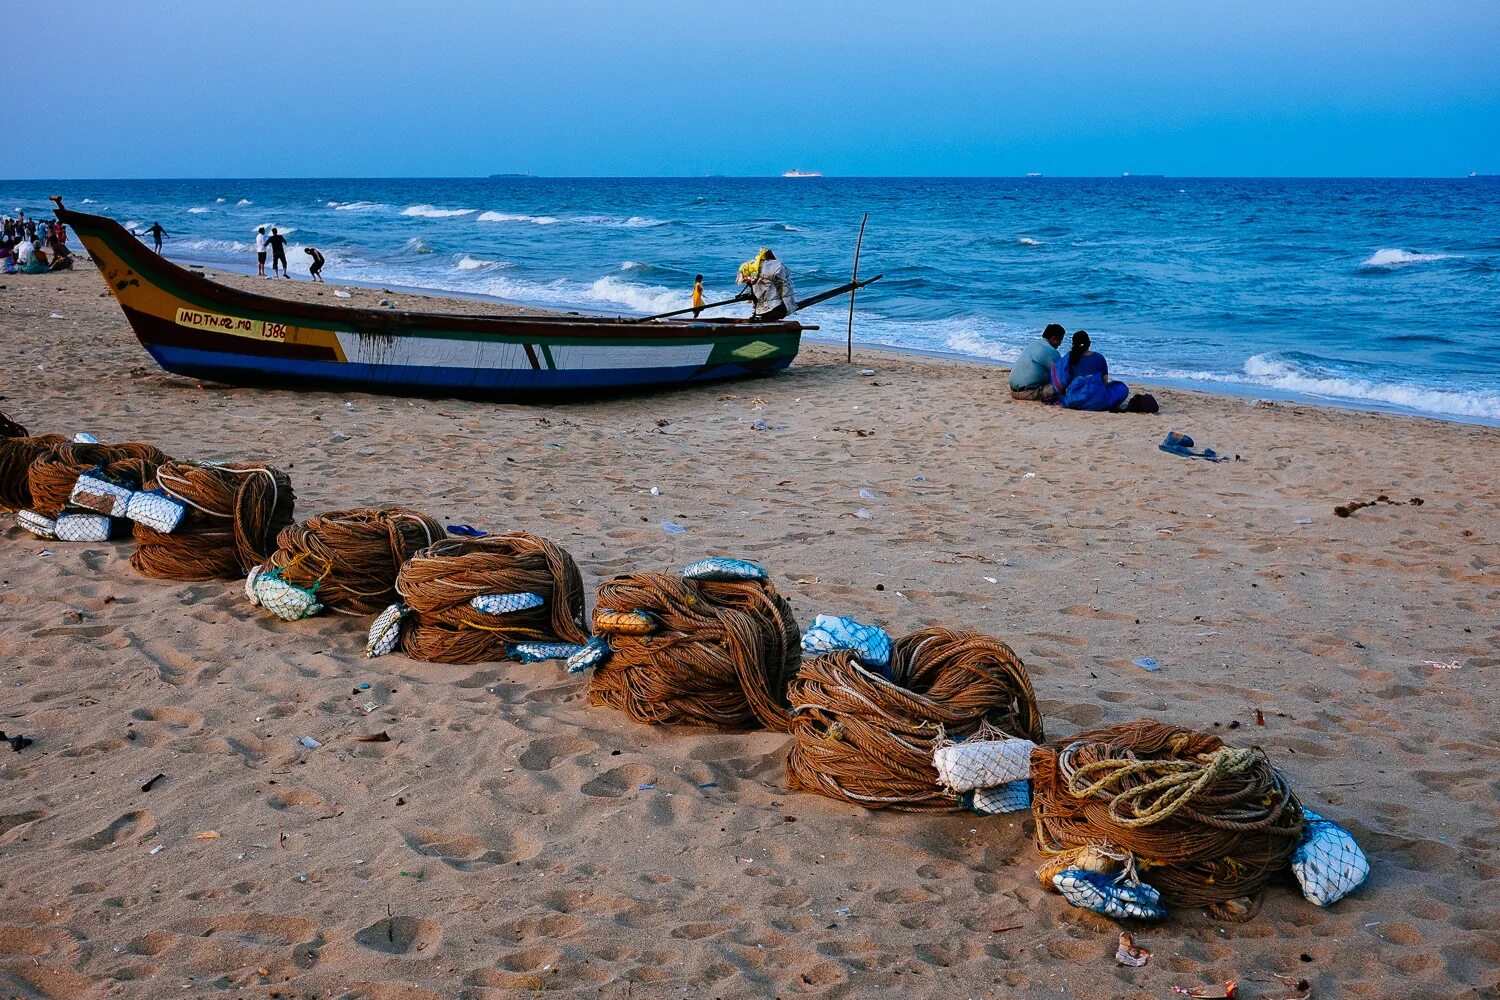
[801,173]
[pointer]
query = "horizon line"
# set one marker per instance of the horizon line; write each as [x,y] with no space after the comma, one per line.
[1124,175]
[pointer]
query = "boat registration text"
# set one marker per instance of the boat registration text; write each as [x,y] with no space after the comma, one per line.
[236,326]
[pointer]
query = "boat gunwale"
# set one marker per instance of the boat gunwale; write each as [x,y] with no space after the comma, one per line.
[209,294]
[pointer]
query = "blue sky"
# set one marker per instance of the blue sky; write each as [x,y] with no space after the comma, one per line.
[566,87]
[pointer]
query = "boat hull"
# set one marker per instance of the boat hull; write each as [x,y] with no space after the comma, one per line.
[198,328]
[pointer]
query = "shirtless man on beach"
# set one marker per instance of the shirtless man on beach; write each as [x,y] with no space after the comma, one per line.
[316,267]
[157,232]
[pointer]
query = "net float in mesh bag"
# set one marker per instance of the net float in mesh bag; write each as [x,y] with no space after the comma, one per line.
[96,491]
[1112,895]
[1007,798]
[537,652]
[87,528]
[588,656]
[870,644]
[155,510]
[250,579]
[385,631]
[722,568]
[286,601]
[38,524]
[1327,862]
[504,604]
[984,760]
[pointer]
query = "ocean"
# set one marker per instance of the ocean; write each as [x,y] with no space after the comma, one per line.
[1368,293]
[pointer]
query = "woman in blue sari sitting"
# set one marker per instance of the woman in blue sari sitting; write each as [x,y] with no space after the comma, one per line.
[1081,378]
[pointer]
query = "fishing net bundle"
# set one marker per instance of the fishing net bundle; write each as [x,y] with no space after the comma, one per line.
[467,600]
[715,646]
[349,559]
[1151,812]
[11,428]
[866,732]
[227,518]
[53,475]
[17,453]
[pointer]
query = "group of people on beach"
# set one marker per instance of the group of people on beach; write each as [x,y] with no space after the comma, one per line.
[275,245]
[1078,380]
[31,247]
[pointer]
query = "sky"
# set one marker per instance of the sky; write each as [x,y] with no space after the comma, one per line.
[340,88]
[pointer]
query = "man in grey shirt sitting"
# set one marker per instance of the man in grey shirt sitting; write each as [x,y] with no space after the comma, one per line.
[1031,375]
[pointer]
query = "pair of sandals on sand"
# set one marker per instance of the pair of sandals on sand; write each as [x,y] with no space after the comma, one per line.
[1181,444]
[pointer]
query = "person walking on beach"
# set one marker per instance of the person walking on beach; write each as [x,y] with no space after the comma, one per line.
[1031,375]
[697,296]
[316,267]
[157,232]
[260,251]
[277,243]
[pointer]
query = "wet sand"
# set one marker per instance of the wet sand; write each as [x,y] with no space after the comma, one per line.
[505,841]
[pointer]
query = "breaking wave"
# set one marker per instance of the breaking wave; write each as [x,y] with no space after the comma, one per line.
[433,212]
[467,263]
[357,206]
[416,245]
[1397,258]
[244,201]
[1027,241]
[539,220]
[197,211]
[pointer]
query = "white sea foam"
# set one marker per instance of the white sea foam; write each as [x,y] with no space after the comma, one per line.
[268,226]
[218,201]
[134,226]
[416,245]
[244,201]
[214,246]
[198,211]
[538,220]
[467,263]
[358,206]
[1027,241]
[1396,258]
[90,201]
[433,212]
[974,344]
[633,222]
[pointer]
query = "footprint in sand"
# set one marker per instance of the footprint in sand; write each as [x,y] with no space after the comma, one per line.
[541,755]
[465,852]
[616,782]
[129,828]
[15,825]
[401,936]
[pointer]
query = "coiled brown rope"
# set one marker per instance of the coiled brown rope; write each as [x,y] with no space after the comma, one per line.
[1202,822]
[234,512]
[438,583]
[16,456]
[53,474]
[353,556]
[720,653]
[862,738]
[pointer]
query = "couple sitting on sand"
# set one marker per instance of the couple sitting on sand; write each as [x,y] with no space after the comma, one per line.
[1078,380]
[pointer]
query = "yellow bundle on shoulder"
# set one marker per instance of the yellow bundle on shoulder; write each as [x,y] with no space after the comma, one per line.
[750,270]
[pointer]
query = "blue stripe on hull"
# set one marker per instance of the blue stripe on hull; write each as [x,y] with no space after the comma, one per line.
[217,366]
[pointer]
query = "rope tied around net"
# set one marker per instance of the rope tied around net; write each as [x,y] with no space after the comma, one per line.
[233,513]
[351,557]
[716,647]
[445,587]
[867,735]
[1206,824]
[53,474]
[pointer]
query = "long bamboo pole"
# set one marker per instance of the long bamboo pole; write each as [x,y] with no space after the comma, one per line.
[854,280]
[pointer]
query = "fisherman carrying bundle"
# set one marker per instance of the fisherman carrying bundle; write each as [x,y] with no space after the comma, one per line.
[769,285]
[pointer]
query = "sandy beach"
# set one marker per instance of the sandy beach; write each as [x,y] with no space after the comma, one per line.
[509,840]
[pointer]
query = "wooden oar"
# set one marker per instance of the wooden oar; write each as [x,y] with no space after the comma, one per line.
[832,293]
[742,297]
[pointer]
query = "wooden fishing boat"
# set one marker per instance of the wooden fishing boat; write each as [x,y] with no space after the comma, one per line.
[199,328]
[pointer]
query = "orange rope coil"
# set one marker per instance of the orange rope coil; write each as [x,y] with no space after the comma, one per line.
[17,453]
[439,582]
[351,557]
[869,740]
[53,474]
[1203,823]
[717,653]
[234,512]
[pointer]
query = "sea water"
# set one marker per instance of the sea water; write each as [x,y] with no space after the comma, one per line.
[1373,293]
